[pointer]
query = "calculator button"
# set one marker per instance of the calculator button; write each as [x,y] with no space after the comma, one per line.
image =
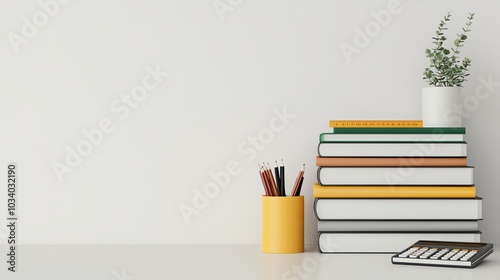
[416,254]
[440,253]
[450,254]
[428,253]
[459,255]
[408,252]
[445,250]
[468,255]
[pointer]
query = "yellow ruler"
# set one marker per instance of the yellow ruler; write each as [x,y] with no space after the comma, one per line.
[376,123]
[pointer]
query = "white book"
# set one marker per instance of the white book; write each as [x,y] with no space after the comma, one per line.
[360,149]
[398,208]
[367,242]
[399,225]
[335,137]
[402,175]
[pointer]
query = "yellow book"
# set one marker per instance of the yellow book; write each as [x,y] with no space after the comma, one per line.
[358,191]
[376,123]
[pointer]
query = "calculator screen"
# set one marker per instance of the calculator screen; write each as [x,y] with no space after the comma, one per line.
[451,244]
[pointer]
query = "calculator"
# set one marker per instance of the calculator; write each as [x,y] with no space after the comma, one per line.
[443,253]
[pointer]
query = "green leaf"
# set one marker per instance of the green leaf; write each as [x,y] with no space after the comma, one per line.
[445,67]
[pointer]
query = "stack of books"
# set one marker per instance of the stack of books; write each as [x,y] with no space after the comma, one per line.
[382,188]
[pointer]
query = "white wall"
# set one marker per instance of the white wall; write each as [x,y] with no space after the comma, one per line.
[231,74]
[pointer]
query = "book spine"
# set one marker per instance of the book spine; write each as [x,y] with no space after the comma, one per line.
[400,130]
[396,149]
[389,209]
[376,123]
[333,242]
[384,176]
[399,225]
[390,161]
[329,137]
[359,191]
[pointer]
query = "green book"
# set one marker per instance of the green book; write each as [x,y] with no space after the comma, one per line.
[399,130]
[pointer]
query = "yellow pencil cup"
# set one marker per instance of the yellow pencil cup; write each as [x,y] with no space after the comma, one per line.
[282,224]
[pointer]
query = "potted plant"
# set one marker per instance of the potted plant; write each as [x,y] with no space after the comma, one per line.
[445,75]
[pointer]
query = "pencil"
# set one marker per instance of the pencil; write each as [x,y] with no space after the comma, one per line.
[277,176]
[266,190]
[300,186]
[270,179]
[297,181]
[282,178]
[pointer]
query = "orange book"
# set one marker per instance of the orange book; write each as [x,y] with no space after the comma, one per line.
[358,191]
[390,161]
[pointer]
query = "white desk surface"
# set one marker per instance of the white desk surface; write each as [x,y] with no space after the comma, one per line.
[151,262]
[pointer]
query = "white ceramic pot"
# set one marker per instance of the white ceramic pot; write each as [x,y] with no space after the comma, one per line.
[441,107]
